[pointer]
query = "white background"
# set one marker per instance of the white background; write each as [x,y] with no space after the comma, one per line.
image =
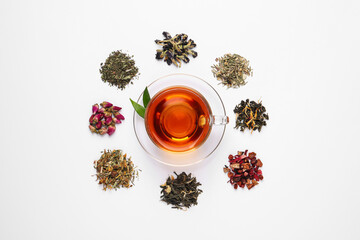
[305,56]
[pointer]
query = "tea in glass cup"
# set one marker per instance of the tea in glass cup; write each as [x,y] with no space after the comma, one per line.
[178,119]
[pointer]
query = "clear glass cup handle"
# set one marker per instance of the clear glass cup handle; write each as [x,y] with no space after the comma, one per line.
[220,120]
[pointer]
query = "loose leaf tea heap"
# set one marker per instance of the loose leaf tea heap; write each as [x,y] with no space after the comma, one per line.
[232,70]
[244,170]
[102,120]
[119,69]
[181,192]
[175,49]
[250,115]
[115,170]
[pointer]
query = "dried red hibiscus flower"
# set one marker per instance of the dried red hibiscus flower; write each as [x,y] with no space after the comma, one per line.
[244,170]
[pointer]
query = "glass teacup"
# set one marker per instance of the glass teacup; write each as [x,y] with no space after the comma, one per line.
[184,121]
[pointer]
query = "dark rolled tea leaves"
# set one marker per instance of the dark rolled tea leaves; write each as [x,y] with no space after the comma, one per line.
[119,70]
[175,49]
[181,192]
[250,115]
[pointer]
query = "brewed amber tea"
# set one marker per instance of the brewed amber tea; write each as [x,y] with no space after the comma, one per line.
[178,119]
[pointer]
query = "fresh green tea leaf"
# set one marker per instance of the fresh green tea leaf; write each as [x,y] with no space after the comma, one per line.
[146,97]
[138,108]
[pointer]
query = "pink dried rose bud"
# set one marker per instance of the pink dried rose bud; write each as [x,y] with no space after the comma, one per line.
[98,125]
[91,118]
[106,104]
[108,120]
[103,122]
[101,110]
[108,114]
[92,129]
[116,108]
[119,116]
[103,130]
[98,117]
[115,120]
[111,130]
[95,108]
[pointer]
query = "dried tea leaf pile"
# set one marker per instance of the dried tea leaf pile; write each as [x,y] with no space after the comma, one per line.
[181,192]
[114,170]
[119,69]
[250,115]
[232,70]
[175,49]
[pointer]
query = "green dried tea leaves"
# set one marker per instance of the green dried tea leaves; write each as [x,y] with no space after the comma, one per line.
[232,70]
[114,170]
[175,49]
[250,115]
[119,70]
[181,192]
